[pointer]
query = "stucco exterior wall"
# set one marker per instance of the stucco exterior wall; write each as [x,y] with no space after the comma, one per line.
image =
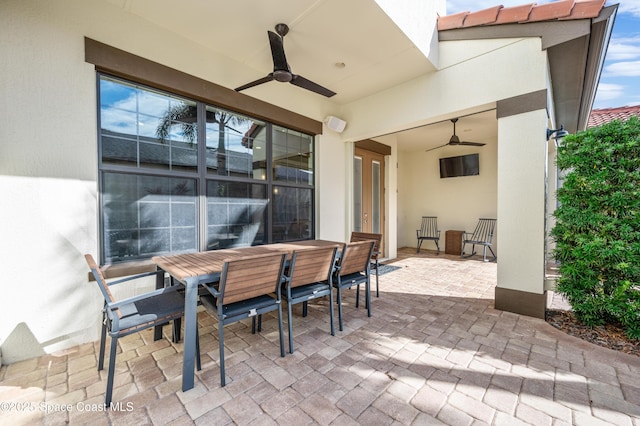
[522,236]
[48,149]
[460,86]
[48,161]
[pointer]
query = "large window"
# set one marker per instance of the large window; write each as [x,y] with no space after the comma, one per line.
[177,175]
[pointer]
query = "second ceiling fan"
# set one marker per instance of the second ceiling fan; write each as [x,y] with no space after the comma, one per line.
[281,70]
[455,140]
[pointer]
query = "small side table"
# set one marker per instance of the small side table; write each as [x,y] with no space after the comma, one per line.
[453,242]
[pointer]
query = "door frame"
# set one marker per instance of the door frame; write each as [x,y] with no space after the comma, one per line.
[373,149]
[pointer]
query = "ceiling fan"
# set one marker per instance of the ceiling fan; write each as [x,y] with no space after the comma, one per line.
[455,140]
[281,70]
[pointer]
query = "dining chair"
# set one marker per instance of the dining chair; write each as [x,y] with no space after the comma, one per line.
[353,269]
[377,238]
[133,314]
[309,277]
[249,286]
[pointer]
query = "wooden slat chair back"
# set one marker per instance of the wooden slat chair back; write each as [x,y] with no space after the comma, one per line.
[377,238]
[482,235]
[134,314]
[355,257]
[354,269]
[428,231]
[249,287]
[312,265]
[309,277]
[247,278]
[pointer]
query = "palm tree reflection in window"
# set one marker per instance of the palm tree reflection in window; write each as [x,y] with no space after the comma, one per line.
[185,116]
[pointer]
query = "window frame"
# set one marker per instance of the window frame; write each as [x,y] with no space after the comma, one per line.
[201,175]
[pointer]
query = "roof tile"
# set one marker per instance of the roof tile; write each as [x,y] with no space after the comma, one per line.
[605,115]
[449,22]
[509,15]
[586,9]
[532,12]
[550,11]
[482,17]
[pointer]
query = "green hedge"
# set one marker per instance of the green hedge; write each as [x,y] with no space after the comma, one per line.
[597,232]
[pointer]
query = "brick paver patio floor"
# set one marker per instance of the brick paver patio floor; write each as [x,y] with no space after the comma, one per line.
[435,351]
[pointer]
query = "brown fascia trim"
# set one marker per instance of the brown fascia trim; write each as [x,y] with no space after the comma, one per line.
[371,145]
[520,104]
[119,63]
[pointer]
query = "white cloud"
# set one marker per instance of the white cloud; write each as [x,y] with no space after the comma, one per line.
[608,91]
[628,6]
[623,48]
[623,69]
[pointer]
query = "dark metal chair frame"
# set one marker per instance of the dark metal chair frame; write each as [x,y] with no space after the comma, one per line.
[377,238]
[309,277]
[482,235]
[353,269]
[249,287]
[133,314]
[428,231]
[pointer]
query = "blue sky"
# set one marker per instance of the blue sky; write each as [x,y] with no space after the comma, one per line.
[620,80]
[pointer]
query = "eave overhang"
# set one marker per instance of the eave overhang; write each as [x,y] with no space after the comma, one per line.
[576,50]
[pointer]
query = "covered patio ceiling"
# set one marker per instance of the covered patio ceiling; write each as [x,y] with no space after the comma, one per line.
[356,50]
[323,35]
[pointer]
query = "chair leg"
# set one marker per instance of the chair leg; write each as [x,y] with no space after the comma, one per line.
[103,342]
[221,345]
[492,253]
[289,320]
[437,246]
[333,332]
[111,370]
[357,295]
[377,273]
[198,360]
[253,324]
[305,308]
[280,329]
[419,244]
[367,295]
[177,324]
[340,308]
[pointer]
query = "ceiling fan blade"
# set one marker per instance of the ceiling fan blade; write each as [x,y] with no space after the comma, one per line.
[472,143]
[262,80]
[437,147]
[277,52]
[300,81]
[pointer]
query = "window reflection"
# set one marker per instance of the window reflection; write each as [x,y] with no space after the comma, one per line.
[236,214]
[292,156]
[180,176]
[235,145]
[145,129]
[292,213]
[147,215]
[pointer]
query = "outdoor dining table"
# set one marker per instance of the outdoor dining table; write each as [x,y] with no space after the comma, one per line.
[194,269]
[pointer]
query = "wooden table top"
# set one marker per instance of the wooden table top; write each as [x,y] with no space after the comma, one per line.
[208,264]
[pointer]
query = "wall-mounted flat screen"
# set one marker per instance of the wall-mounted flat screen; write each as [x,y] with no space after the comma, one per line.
[462,165]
